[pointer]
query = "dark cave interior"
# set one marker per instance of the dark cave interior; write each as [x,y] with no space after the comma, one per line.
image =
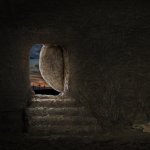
[109,70]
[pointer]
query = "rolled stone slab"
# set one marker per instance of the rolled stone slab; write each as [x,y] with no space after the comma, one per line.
[51,66]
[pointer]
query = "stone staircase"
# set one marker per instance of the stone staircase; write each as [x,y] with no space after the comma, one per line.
[59,116]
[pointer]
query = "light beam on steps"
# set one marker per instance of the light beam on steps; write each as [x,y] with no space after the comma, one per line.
[54,102]
[54,116]
[44,111]
[62,120]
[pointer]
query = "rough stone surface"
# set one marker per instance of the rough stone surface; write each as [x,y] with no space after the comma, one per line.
[60,117]
[109,44]
[51,65]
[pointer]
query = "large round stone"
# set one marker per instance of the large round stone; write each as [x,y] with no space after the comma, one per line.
[51,65]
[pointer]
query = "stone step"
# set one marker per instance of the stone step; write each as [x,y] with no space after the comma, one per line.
[64,130]
[61,120]
[54,103]
[60,116]
[68,111]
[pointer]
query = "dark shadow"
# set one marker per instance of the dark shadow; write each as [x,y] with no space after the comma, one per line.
[46,91]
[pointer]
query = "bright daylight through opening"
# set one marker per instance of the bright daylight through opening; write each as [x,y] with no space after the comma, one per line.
[38,84]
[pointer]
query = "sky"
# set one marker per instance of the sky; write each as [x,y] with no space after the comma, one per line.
[35,75]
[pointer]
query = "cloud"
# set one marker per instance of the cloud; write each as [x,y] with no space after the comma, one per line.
[35,51]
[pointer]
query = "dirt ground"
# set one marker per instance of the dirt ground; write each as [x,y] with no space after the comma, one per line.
[132,142]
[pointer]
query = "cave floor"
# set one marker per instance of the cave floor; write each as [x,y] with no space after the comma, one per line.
[127,142]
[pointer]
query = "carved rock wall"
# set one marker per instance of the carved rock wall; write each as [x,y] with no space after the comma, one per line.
[109,57]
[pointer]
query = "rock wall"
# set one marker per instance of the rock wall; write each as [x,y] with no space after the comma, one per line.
[108,44]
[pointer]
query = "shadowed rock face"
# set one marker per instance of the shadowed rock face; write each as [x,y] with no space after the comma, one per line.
[109,56]
[51,65]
